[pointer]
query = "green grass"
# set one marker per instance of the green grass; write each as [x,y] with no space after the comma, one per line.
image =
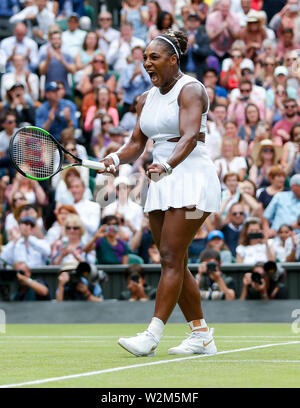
[26,355]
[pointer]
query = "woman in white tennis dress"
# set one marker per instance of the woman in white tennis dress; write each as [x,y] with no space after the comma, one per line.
[183,191]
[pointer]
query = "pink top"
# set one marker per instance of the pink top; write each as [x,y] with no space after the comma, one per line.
[239,111]
[224,41]
[90,116]
[285,125]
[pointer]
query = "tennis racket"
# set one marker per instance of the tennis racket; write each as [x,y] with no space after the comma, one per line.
[37,155]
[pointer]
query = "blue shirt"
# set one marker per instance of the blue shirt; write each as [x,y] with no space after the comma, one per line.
[284,208]
[139,85]
[8,7]
[59,123]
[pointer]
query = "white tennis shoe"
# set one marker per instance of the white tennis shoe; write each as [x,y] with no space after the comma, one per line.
[198,342]
[144,344]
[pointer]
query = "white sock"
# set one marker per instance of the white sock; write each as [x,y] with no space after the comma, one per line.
[194,324]
[156,327]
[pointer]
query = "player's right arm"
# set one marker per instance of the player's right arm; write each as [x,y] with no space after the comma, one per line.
[137,142]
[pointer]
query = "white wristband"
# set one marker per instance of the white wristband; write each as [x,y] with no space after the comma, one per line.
[115,158]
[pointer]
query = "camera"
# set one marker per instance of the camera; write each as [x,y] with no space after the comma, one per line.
[9,275]
[255,235]
[211,266]
[244,98]
[111,228]
[135,278]
[89,272]
[256,277]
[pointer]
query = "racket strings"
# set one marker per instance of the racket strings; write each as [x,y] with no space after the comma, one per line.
[34,153]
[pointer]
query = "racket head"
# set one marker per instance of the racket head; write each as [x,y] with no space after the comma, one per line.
[33,152]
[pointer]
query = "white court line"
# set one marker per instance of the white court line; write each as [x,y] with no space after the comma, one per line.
[95,341]
[115,369]
[164,337]
[251,361]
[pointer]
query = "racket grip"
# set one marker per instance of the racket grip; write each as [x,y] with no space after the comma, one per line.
[93,165]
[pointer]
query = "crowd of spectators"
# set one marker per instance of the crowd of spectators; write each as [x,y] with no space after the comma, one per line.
[81,81]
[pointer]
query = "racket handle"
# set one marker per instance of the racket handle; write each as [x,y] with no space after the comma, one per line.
[93,165]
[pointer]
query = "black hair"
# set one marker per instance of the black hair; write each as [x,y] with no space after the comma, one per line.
[210,254]
[134,269]
[109,218]
[214,71]
[160,19]
[178,38]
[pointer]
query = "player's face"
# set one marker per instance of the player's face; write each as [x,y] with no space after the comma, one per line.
[158,63]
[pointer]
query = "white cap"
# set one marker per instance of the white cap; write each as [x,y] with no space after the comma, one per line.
[247,64]
[122,180]
[281,70]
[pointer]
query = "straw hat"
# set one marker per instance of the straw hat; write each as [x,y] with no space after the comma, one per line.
[253,17]
[257,148]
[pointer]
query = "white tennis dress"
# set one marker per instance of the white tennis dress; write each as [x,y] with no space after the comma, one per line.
[194,182]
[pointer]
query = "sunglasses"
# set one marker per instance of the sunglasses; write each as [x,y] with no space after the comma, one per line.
[291,59]
[98,61]
[27,223]
[105,122]
[236,56]
[75,228]
[238,213]
[269,64]
[105,19]
[290,106]
[245,90]
[268,150]
[18,198]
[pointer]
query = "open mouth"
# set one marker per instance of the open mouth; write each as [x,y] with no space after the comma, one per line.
[153,76]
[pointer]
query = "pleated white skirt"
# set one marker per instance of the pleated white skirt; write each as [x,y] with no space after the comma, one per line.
[193,183]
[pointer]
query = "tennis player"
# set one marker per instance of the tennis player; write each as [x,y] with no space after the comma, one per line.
[183,191]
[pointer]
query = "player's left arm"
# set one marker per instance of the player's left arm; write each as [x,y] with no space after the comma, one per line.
[191,101]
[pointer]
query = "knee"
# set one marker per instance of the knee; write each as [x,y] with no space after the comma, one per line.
[171,260]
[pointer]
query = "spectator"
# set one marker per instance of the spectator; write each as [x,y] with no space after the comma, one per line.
[153,11]
[101,141]
[216,131]
[89,98]
[72,285]
[291,148]
[120,48]
[292,63]
[210,78]
[73,37]
[232,229]
[265,75]
[88,211]
[70,247]
[11,226]
[110,249]
[132,212]
[134,79]
[86,54]
[56,231]
[94,113]
[285,18]
[282,129]
[56,113]
[244,11]
[20,43]
[265,282]
[136,13]
[282,244]
[63,183]
[197,245]
[65,9]
[28,288]
[8,124]
[274,103]
[265,155]
[56,64]
[38,19]
[31,189]
[284,208]
[142,240]
[263,131]
[252,118]
[215,241]
[230,78]
[286,44]
[165,22]
[230,160]
[20,104]
[193,62]
[253,245]
[294,255]
[223,28]
[28,248]
[137,287]
[98,66]
[29,80]
[236,109]
[129,119]
[253,35]
[106,33]
[213,284]
[200,8]
[276,176]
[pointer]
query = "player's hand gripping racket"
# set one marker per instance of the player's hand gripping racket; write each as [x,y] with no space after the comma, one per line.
[36,154]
